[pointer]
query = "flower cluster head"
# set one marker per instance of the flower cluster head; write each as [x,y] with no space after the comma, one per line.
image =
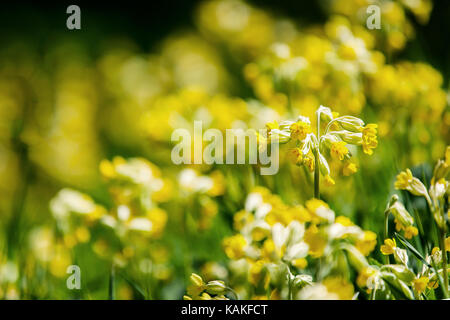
[340,132]
[199,290]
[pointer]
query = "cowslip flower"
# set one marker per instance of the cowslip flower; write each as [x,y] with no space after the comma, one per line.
[234,246]
[420,284]
[349,169]
[312,149]
[403,220]
[338,150]
[369,138]
[406,181]
[300,129]
[388,247]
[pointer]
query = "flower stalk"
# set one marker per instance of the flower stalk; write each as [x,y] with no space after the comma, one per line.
[444,261]
[316,160]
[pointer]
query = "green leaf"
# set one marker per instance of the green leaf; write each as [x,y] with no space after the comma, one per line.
[399,288]
[413,250]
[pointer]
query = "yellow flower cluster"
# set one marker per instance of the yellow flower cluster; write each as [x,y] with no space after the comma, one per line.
[274,237]
[393,18]
[136,187]
[339,132]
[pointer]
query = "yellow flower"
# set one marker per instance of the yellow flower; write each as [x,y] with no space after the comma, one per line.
[406,181]
[346,222]
[364,275]
[329,181]
[349,169]
[234,246]
[403,180]
[338,150]
[158,218]
[196,286]
[205,296]
[299,213]
[411,232]
[314,204]
[447,244]
[296,155]
[309,162]
[82,234]
[241,218]
[268,249]
[369,138]
[219,183]
[340,286]
[272,125]
[299,130]
[316,241]
[301,263]
[259,233]
[367,243]
[257,272]
[420,284]
[107,169]
[347,52]
[388,247]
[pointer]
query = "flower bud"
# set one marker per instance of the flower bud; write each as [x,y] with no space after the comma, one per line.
[349,137]
[350,123]
[400,213]
[216,287]
[323,165]
[401,256]
[325,114]
[196,280]
[441,170]
[406,181]
[439,189]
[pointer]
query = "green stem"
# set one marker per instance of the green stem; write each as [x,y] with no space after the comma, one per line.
[441,236]
[316,176]
[316,162]
[289,282]
[386,230]
[444,261]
